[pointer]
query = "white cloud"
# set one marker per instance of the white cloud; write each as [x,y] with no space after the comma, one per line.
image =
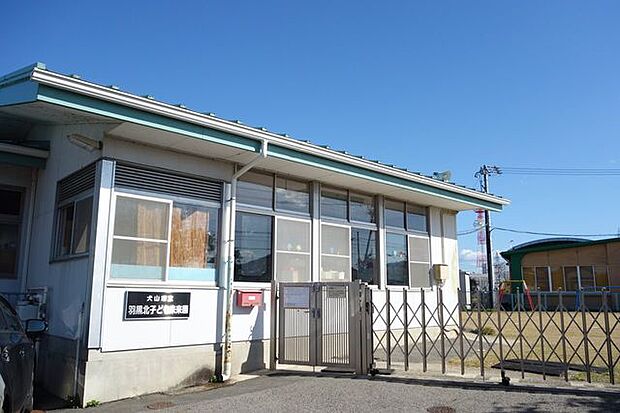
[468,255]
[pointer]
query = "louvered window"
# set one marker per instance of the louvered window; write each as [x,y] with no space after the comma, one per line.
[74,205]
[166,182]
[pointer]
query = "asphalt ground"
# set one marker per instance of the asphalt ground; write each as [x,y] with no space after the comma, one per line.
[301,392]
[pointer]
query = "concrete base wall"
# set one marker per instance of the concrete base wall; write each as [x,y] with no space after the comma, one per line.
[121,374]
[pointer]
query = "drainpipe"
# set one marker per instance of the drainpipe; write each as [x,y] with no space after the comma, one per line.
[230,262]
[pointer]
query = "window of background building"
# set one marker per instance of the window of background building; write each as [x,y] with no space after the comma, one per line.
[586,276]
[601,278]
[253,261]
[570,278]
[542,278]
[529,277]
[557,279]
[10,223]
[416,218]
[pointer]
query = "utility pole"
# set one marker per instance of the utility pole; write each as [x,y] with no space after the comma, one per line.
[483,175]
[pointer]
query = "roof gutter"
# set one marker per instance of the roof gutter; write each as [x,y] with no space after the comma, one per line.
[82,87]
[230,261]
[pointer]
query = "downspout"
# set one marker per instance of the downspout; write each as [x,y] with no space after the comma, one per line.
[230,262]
[28,241]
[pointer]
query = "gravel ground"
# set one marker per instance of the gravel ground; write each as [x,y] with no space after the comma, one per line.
[305,393]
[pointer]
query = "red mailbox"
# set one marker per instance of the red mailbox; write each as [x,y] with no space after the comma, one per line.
[249,298]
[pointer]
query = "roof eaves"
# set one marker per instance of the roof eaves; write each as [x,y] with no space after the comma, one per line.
[40,74]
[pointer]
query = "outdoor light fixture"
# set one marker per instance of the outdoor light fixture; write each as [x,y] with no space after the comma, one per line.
[84,142]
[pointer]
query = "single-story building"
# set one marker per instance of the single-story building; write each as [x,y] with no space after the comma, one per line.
[125,221]
[567,264]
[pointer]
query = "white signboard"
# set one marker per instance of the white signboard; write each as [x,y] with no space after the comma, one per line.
[296,297]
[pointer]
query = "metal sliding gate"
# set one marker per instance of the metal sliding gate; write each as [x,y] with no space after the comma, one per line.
[321,324]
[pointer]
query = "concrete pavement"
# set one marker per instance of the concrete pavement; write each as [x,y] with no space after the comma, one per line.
[300,392]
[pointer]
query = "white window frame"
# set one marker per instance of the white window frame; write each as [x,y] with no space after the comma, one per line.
[276,250]
[152,282]
[410,261]
[348,228]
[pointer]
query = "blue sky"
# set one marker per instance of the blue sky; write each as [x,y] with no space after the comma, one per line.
[429,85]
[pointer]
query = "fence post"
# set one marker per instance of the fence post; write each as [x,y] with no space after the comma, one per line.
[441,329]
[423,307]
[274,326]
[610,360]
[406,327]
[499,333]
[461,328]
[480,334]
[585,336]
[563,334]
[539,297]
[520,307]
[388,329]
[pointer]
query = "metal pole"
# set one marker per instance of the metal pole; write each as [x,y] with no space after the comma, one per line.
[274,326]
[423,307]
[441,330]
[610,360]
[520,307]
[460,330]
[542,337]
[388,330]
[487,230]
[585,336]
[406,327]
[480,335]
[563,334]
[499,332]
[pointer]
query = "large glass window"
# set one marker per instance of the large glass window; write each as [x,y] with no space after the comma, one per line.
[586,276]
[255,189]
[364,255]
[10,218]
[570,279]
[394,214]
[292,250]
[335,253]
[140,241]
[362,208]
[73,228]
[416,218]
[419,261]
[542,278]
[333,203]
[193,248]
[253,247]
[396,252]
[292,195]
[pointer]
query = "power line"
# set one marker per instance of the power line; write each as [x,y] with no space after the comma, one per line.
[549,234]
[510,170]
